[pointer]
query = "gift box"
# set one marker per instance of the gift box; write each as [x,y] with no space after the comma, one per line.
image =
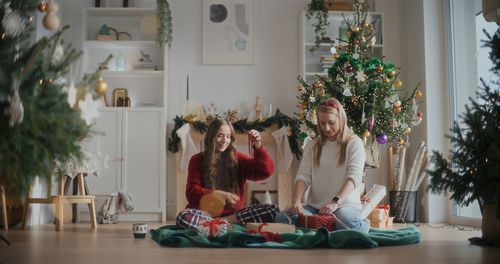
[213,228]
[270,227]
[316,221]
[379,217]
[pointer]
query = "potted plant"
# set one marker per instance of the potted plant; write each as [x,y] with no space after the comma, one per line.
[472,173]
[317,10]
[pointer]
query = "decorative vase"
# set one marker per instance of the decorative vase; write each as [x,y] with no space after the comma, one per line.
[491,224]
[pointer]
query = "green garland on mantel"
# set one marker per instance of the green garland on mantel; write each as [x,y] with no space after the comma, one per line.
[243,126]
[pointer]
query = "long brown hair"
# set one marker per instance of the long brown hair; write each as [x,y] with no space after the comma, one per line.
[226,161]
[344,136]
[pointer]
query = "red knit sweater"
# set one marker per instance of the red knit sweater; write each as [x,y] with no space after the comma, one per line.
[258,168]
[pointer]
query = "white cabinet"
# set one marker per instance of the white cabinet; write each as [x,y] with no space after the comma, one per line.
[131,141]
[310,62]
[132,138]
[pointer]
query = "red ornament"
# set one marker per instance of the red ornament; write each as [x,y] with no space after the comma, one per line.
[420,114]
[349,69]
[42,7]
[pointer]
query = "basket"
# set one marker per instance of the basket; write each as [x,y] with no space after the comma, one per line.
[105,206]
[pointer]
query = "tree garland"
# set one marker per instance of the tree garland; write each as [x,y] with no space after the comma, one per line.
[243,126]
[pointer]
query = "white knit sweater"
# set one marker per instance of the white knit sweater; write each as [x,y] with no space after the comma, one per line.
[326,179]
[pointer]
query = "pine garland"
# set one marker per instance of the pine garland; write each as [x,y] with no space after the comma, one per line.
[243,126]
[164,23]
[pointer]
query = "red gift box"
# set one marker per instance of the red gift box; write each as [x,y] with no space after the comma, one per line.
[316,221]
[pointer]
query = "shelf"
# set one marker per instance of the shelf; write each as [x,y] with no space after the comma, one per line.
[316,73]
[120,11]
[321,44]
[132,74]
[121,43]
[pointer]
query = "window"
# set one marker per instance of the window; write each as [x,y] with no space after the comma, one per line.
[468,62]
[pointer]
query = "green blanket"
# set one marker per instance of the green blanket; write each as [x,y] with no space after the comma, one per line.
[302,238]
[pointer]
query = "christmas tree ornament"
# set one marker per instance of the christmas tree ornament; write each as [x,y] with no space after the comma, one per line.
[371,123]
[360,76]
[51,21]
[394,123]
[347,90]
[12,22]
[72,92]
[398,83]
[355,56]
[42,7]
[397,103]
[101,87]
[58,55]
[336,56]
[333,50]
[300,88]
[407,130]
[355,29]
[382,138]
[15,110]
[420,114]
[89,109]
[386,80]
[392,73]
[397,109]
[348,69]
[366,134]
[401,142]
[380,68]
[418,94]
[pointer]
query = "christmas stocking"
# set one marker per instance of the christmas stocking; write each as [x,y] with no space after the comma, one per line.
[188,146]
[285,155]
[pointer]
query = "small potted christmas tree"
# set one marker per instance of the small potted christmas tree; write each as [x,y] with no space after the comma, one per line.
[472,174]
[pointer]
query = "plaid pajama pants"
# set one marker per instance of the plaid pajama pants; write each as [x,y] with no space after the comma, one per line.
[260,213]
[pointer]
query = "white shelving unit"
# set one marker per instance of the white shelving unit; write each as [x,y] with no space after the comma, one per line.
[132,139]
[310,62]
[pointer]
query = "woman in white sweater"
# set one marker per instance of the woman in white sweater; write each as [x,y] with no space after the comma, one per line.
[331,168]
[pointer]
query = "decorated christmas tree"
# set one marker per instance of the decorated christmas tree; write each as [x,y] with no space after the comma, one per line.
[43,112]
[377,106]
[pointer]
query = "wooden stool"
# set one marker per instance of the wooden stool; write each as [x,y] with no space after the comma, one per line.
[4,208]
[60,199]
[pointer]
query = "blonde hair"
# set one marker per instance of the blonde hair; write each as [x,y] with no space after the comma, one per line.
[344,135]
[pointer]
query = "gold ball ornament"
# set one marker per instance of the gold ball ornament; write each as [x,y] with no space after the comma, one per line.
[366,134]
[318,85]
[398,83]
[355,29]
[42,7]
[52,7]
[397,103]
[407,130]
[386,80]
[418,94]
[335,56]
[101,87]
[392,73]
[401,141]
[348,33]
[366,25]
[51,21]
[397,109]
[380,68]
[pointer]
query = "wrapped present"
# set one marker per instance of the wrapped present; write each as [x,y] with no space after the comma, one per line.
[379,217]
[373,196]
[213,228]
[271,227]
[382,224]
[316,221]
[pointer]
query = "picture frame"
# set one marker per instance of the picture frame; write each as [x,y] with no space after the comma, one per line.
[119,93]
[228,32]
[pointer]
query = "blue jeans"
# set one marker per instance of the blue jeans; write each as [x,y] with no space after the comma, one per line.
[349,216]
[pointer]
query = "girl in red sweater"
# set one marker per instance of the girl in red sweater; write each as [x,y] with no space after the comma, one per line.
[217,177]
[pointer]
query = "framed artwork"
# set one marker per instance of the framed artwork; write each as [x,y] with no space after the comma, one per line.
[228,36]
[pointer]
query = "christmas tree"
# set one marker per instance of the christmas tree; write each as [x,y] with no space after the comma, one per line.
[367,86]
[43,115]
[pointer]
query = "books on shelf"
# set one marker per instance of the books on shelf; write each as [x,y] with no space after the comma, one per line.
[145,67]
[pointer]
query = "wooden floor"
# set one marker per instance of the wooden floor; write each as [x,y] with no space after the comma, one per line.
[115,244]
